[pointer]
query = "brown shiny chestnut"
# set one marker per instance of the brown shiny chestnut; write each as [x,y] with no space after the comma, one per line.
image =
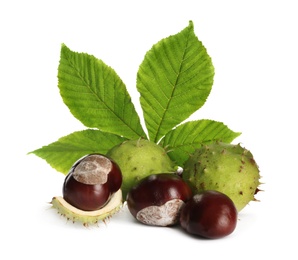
[91,181]
[156,200]
[210,214]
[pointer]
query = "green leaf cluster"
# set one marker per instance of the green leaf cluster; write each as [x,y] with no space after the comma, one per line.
[174,80]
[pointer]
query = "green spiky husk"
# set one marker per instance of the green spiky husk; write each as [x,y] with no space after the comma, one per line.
[138,159]
[88,217]
[227,168]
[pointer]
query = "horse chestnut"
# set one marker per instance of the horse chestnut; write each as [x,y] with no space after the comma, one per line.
[157,199]
[210,214]
[91,181]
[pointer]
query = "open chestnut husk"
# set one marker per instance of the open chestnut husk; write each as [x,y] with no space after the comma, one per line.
[91,182]
[209,214]
[157,199]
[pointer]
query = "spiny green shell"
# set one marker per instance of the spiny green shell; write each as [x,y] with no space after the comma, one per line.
[88,217]
[227,168]
[138,159]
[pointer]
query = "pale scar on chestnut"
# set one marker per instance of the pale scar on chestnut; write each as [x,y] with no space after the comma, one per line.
[93,169]
[164,215]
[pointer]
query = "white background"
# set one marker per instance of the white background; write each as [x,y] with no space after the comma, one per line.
[253,45]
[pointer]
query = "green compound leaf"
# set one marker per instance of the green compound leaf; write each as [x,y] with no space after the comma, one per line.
[96,95]
[62,154]
[174,80]
[182,141]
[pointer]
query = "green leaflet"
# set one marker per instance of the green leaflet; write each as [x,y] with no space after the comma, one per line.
[62,154]
[182,141]
[174,80]
[96,95]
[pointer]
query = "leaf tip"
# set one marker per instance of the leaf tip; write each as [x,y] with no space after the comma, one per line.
[238,134]
[64,47]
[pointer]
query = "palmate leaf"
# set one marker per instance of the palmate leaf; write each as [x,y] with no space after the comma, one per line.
[96,95]
[174,80]
[182,141]
[62,154]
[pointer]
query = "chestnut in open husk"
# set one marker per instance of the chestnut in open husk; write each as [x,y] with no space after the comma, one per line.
[91,182]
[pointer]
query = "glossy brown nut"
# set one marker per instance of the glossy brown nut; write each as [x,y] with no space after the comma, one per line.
[114,177]
[210,214]
[91,181]
[157,199]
